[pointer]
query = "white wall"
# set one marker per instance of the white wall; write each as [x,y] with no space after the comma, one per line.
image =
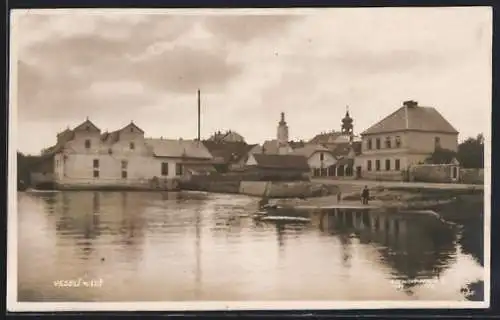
[140,169]
[315,160]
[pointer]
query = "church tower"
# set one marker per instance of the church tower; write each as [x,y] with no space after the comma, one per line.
[347,125]
[282,136]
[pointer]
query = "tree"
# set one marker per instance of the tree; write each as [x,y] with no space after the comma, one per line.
[441,156]
[471,152]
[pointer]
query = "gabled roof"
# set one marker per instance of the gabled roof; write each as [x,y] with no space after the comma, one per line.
[413,117]
[309,149]
[87,125]
[178,148]
[133,126]
[281,161]
[229,152]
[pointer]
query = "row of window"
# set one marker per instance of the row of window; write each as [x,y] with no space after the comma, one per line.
[124,168]
[397,165]
[397,143]
[88,144]
[387,143]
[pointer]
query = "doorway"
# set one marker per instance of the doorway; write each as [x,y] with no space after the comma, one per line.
[358,172]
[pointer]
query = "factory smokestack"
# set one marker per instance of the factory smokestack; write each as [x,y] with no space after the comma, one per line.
[199,116]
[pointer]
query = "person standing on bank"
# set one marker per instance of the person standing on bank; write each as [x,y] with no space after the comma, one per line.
[365,195]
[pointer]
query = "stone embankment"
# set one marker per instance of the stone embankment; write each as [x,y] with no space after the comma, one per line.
[270,189]
[406,197]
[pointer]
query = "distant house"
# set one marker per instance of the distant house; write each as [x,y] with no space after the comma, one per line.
[279,166]
[406,137]
[229,155]
[85,157]
[321,160]
[227,136]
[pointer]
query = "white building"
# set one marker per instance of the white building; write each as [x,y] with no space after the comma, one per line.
[320,159]
[85,157]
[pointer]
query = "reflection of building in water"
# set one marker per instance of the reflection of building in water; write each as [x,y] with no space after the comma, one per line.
[414,246]
[85,216]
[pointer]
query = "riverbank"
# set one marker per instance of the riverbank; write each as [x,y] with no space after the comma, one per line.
[446,201]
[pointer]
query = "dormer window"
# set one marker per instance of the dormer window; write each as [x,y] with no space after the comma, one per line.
[321,157]
[87,144]
[132,146]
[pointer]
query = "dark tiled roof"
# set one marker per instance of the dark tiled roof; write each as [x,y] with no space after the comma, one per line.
[297,144]
[229,152]
[281,161]
[328,137]
[419,118]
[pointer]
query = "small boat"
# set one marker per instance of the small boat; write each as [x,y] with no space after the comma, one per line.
[284,218]
[31,190]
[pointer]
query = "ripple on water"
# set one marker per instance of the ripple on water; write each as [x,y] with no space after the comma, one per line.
[158,246]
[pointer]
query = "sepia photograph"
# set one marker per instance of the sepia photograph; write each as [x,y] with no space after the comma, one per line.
[249,159]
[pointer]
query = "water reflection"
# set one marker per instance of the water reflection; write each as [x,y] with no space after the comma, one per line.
[197,246]
[417,247]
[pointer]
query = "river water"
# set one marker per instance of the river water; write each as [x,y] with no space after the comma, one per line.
[141,246]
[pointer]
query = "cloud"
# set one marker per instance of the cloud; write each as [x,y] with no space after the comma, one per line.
[250,67]
[239,28]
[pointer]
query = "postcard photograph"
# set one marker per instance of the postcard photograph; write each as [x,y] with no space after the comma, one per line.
[251,159]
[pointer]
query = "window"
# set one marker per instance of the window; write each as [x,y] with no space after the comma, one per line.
[437,142]
[131,129]
[164,169]
[178,169]
[132,146]
[398,142]
[397,164]
[369,165]
[124,169]
[96,173]
[87,144]
[388,142]
[377,143]
[316,172]
[96,163]
[377,165]
[387,165]
[321,157]
[369,146]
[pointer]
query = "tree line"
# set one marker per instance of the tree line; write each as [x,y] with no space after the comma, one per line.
[470,154]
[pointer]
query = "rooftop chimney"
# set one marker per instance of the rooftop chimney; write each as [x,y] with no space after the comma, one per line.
[410,103]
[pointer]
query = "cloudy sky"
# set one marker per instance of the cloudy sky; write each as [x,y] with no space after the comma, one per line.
[117,66]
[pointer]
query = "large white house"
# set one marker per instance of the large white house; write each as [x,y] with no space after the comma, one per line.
[123,158]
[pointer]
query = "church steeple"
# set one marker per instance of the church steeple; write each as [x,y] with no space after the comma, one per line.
[347,123]
[282,134]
